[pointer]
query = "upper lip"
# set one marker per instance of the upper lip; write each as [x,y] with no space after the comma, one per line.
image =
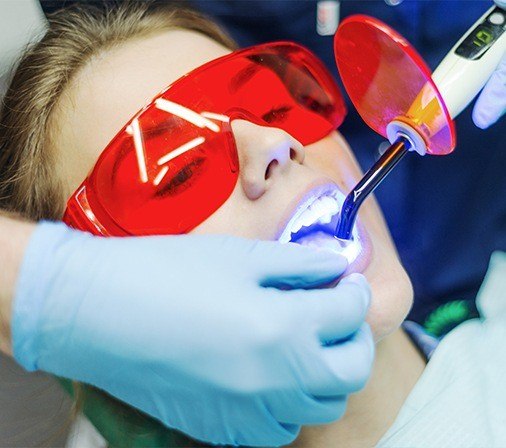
[302,203]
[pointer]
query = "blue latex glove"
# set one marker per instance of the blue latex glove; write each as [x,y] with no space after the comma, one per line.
[491,104]
[193,330]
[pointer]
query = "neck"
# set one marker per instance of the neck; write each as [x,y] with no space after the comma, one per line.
[371,412]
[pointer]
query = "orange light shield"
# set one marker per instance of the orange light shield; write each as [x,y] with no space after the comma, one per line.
[386,79]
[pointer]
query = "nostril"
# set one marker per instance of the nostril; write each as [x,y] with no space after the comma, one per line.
[270,168]
[297,155]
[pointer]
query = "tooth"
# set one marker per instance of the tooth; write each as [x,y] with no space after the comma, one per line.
[308,217]
[318,207]
[284,238]
[338,198]
[322,207]
[330,204]
[297,224]
[325,219]
[325,201]
[322,210]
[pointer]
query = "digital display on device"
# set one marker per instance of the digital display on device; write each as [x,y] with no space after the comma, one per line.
[483,36]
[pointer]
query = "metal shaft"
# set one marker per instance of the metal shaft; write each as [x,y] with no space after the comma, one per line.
[386,163]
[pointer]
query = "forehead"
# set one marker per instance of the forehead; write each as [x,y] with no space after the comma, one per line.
[112,87]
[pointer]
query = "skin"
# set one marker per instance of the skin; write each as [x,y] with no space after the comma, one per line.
[276,171]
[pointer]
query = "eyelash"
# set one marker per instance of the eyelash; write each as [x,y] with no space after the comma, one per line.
[179,179]
[278,113]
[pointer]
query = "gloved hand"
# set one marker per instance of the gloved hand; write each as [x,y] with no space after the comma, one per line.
[194,331]
[491,104]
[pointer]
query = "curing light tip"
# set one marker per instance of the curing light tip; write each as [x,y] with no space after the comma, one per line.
[386,163]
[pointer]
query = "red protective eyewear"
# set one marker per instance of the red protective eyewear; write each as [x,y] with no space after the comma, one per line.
[175,163]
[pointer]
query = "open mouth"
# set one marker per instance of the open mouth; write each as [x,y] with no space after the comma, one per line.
[314,222]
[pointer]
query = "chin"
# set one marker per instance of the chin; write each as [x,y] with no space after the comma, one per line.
[392,296]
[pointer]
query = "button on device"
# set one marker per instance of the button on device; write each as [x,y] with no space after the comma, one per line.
[393,2]
[497,18]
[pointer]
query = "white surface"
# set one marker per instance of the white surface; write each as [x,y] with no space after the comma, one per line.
[84,435]
[20,22]
[397,129]
[460,399]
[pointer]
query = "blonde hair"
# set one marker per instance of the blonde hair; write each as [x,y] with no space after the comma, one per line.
[28,184]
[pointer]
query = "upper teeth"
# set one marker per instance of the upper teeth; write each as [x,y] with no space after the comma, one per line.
[320,210]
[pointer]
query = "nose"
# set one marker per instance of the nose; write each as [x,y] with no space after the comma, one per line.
[265,153]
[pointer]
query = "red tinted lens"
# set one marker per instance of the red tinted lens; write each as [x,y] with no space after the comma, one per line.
[282,84]
[176,164]
[156,178]
[386,79]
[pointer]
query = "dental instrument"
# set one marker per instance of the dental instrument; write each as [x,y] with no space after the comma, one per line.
[378,66]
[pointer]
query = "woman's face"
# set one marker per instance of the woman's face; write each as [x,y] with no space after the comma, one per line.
[279,178]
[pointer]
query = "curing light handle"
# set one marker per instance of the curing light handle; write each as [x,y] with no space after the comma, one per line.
[386,163]
[470,63]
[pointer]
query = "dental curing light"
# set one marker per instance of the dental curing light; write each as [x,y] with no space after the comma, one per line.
[393,91]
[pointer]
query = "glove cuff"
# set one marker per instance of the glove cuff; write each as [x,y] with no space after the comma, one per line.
[32,289]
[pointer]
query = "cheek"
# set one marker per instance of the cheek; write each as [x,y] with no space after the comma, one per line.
[392,294]
[227,219]
[333,157]
[239,217]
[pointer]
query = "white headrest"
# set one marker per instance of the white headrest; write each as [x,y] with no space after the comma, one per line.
[21,21]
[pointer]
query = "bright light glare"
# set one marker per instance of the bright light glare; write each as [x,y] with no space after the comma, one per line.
[182,149]
[139,150]
[217,117]
[186,114]
[351,251]
[160,175]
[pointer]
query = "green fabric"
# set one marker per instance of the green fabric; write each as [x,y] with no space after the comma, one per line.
[122,426]
[448,316]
